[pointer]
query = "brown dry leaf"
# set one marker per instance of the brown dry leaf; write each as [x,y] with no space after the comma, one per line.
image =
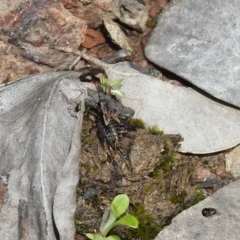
[116,34]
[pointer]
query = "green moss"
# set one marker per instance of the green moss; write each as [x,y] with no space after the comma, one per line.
[137,123]
[94,202]
[155,130]
[88,142]
[149,188]
[199,197]
[148,227]
[150,23]
[168,145]
[157,173]
[85,131]
[169,158]
[167,161]
[213,170]
[77,223]
[78,193]
[205,161]
[89,170]
[95,168]
[177,198]
[82,227]
[86,114]
[190,169]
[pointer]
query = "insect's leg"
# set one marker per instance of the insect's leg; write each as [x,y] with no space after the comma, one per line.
[114,163]
[101,134]
[126,158]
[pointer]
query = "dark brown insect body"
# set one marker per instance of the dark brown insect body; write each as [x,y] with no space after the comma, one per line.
[111,129]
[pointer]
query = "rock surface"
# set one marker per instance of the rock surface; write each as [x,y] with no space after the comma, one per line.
[132,13]
[182,110]
[191,224]
[29,28]
[14,66]
[39,151]
[93,38]
[199,42]
[233,162]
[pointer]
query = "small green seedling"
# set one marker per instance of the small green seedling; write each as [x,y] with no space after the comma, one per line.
[110,86]
[112,219]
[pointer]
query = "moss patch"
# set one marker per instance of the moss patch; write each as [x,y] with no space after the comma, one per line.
[155,130]
[178,198]
[148,227]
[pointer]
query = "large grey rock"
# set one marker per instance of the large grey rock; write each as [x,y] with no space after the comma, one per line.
[205,125]
[192,225]
[39,154]
[199,41]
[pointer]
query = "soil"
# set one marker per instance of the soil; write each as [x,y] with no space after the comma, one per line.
[162,183]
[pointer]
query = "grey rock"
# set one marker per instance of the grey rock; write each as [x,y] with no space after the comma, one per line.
[116,34]
[199,41]
[191,224]
[233,161]
[205,125]
[132,13]
[39,154]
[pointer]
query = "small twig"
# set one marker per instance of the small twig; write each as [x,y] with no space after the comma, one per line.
[82,54]
[74,63]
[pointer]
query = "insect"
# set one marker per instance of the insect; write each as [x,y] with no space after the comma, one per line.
[208,212]
[112,127]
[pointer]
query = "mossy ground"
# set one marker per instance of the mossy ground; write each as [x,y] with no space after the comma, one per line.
[168,187]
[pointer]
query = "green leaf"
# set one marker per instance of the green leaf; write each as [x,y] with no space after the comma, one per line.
[90,235]
[127,220]
[105,82]
[95,236]
[78,223]
[108,224]
[113,237]
[120,204]
[116,83]
[117,93]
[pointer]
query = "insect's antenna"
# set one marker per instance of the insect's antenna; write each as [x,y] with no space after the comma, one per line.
[99,90]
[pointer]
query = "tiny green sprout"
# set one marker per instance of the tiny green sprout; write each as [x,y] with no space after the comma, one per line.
[112,219]
[110,86]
